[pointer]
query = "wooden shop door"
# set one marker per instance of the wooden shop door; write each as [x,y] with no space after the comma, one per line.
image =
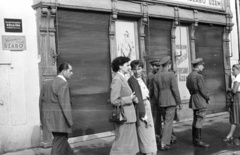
[83,42]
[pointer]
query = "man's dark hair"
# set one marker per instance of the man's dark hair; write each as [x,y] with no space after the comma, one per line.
[136,63]
[119,61]
[63,66]
[195,65]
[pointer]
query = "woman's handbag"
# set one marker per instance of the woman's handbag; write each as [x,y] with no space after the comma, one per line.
[118,115]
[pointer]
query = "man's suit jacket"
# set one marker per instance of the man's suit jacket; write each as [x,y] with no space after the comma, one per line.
[166,89]
[121,94]
[55,106]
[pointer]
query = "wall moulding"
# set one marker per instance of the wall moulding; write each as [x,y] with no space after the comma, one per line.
[157,9]
[95,5]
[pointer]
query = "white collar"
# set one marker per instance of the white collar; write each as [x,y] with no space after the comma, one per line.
[121,74]
[62,77]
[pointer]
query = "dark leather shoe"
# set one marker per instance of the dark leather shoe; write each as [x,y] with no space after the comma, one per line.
[173,141]
[201,144]
[165,147]
[227,139]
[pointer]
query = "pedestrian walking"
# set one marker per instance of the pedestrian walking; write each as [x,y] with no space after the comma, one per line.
[145,126]
[156,111]
[234,107]
[56,110]
[126,141]
[167,93]
[198,100]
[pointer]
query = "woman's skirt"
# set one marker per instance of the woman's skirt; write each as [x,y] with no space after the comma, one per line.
[235,109]
[146,134]
[126,142]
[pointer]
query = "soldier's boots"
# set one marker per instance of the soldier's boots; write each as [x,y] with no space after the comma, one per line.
[197,138]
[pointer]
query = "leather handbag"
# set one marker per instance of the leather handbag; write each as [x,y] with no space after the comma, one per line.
[118,115]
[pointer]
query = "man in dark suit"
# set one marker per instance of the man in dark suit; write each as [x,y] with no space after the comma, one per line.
[56,110]
[167,93]
[198,100]
[155,66]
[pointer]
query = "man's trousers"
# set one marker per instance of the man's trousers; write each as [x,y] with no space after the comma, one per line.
[199,117]
[168,125]
[60,144]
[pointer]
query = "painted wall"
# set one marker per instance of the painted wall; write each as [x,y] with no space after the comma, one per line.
[19,86]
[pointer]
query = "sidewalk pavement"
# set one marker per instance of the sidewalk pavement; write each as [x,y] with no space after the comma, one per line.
[215,128]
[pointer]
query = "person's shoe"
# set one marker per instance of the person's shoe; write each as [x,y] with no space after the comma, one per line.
[173,141]
[200,143]
[197,138]
[227,139]
[165,147]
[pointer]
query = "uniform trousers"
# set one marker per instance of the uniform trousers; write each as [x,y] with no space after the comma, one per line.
[168,125]
[60,145]
[199,117]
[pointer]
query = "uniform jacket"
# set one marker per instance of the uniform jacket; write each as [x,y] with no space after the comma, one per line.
[197,89]
[166,89]
[55,106]
[150,85]
[121,94]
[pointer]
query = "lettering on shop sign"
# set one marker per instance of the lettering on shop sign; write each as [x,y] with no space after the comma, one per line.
[214,4]
[13,43]
[13,25]
[209,2]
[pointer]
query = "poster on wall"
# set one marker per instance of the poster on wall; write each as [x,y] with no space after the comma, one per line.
[126,39]
[182,60]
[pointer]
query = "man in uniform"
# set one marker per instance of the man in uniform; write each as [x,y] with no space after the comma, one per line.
[56,110]
[155,66]
[198,100]
[167,93]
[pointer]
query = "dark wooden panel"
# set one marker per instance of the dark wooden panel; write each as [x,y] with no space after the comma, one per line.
[158,38]
[83,42]
[91,114]
[209,47]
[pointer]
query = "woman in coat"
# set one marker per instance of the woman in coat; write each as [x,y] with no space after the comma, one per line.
[145,126]
[126,142]
[235,106]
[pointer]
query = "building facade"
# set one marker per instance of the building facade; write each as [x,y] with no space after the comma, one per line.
[89,34]
[19,76]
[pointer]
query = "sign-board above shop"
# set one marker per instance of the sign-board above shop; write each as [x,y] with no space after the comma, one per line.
[211,4]
[13,43]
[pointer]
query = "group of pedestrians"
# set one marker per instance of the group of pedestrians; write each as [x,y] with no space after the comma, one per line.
[137,134]
[150,108]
